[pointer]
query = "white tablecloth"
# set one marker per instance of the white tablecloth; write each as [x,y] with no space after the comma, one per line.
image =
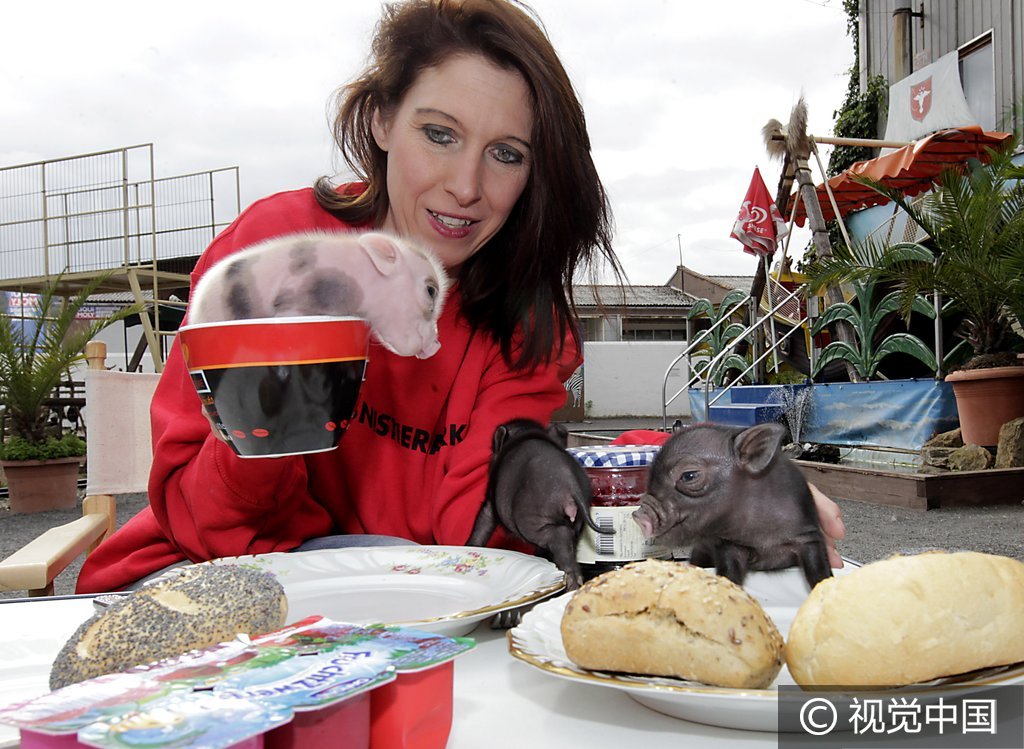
[499,701]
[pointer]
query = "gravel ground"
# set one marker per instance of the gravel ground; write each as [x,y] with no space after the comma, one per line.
[872,531]
[17,529]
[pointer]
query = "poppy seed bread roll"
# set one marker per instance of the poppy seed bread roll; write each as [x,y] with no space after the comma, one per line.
[199,606]
[672,619]
[909,619]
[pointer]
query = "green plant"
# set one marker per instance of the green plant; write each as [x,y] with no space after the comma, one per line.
[857,118]
[67,446]
[717,339]
[786,376]
[864,319]
[974,255]
[33,363]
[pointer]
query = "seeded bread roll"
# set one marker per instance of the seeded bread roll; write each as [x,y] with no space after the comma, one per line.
[203,605]
[672,619]
[909,619]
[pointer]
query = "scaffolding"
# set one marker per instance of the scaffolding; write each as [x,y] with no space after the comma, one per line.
[69,220]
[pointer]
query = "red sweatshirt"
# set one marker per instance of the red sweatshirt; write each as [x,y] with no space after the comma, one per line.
[413,462]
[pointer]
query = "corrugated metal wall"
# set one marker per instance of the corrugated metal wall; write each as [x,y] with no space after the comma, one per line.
[948,26]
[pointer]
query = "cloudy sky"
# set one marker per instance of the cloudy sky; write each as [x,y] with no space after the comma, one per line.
[676,93]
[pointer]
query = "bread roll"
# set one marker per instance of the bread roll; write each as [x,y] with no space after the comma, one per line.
[672,619]
[203,605]
[909,619]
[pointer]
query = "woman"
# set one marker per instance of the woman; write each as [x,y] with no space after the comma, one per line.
[466,135]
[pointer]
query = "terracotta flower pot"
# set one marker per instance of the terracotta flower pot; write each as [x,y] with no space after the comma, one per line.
[39,485]
[986,399]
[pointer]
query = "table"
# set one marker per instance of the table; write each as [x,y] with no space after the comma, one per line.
[502,702]
[499,701]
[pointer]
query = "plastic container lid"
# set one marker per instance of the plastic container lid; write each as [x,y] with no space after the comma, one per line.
[615,456]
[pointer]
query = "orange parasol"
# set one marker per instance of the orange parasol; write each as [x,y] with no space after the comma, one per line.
[913,169]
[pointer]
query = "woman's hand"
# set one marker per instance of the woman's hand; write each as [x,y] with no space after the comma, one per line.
[220,435]
[831,519]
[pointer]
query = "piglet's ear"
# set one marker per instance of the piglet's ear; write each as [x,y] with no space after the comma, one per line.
[382,251]
[756,447]
[498,440]
[559,433]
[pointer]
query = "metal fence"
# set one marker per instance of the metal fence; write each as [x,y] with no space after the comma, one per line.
[107,212]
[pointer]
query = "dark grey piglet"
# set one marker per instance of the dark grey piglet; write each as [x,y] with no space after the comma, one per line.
[732,494]
[538,492]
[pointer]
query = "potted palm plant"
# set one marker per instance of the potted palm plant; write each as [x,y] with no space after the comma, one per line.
[974,258]
[40,459]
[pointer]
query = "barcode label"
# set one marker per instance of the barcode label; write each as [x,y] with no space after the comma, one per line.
[605,544]
[618,538]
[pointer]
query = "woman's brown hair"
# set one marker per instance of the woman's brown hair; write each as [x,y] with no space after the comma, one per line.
[522,278]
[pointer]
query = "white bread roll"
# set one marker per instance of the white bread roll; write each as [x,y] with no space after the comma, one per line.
[203,605]
[672,619]
[909,619]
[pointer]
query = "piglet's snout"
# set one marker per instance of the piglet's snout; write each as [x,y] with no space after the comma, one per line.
[647,516]
[431,345]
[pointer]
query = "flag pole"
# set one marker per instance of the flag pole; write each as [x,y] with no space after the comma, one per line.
[789,236]
[771,315]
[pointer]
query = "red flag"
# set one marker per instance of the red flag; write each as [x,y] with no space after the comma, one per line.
[759,227]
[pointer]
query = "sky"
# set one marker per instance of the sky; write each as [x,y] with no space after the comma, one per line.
[675,92]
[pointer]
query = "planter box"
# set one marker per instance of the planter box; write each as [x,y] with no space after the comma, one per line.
[917,491]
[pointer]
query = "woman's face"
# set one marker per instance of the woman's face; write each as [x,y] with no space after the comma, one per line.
[458,150]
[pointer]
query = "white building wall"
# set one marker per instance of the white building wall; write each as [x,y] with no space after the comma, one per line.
[120,351]
[624,378]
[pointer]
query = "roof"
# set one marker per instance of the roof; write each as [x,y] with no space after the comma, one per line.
[631,296]
[743,283]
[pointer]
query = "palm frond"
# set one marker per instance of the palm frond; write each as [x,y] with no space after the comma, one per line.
[839,312]
[904,343]
[32,365]
[839,350]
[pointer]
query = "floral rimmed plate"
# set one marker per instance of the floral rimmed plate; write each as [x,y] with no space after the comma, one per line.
[537,641]
[441,589]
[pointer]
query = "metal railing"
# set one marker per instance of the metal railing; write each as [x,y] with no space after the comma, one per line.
[727,349]
[695,344]
[752,327]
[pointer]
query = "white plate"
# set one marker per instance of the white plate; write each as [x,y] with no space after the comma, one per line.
[442,589]
[538,642]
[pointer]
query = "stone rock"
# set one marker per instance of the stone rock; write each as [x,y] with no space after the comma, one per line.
[793,450]
[937,457]
[970,458]
[946,439]
[1010,451]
